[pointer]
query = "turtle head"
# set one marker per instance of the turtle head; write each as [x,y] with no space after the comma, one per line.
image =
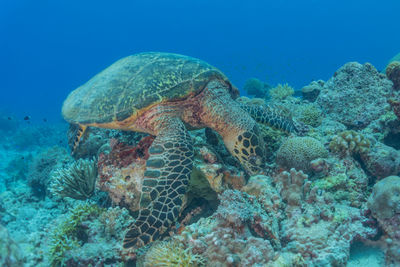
[247,146]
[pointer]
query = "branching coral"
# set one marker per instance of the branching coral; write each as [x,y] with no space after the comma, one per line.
[349,143]
[68,234]
[281,91]
[76,181]
[294,184]
[171,253]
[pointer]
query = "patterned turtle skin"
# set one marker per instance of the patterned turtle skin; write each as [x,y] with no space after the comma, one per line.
[161,94]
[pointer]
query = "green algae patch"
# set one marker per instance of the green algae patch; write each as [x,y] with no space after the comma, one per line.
[69,234]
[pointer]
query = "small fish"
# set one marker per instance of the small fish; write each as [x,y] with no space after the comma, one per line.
[27,118]
[9,118]
[44,119]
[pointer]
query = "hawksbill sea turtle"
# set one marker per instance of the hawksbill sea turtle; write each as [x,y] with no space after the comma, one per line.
[162,94]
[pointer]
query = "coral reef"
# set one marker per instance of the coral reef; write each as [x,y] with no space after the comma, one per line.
[89,235]
[256,88]
[395,104]
[171,253]
[10,253]
[68,234]
[382,160]
[349,143]
[121,172]
[293,186]
[76,181]
[41,167]
[307,207]
[281,91]
[310,92]
[298,152]
[319,229]
[393,74]
[35,136]
[309,114]
[384,203]
[356,95]
[239,233]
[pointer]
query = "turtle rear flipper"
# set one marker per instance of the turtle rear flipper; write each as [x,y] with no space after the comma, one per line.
[165,181]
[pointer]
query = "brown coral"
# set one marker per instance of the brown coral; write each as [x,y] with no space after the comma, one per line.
[393,73]
[298,152]
[395,104]
[349,143]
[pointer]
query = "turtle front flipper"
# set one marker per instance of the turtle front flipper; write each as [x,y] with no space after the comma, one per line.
[270,116]
[166,178]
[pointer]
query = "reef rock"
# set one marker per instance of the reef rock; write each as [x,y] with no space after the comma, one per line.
[10,253]
[310,92]
[356,95]
[382,160]
[384,201]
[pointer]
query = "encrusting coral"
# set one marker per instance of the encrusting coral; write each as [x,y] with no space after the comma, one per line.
[76,181]
[349,143]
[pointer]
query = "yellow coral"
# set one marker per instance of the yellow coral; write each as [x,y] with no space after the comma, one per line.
[298,152]
[281,91]
[310,115]
[349,143]
[168,254]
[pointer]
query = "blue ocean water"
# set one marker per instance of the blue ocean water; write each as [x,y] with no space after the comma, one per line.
[48,48]
[312,183]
